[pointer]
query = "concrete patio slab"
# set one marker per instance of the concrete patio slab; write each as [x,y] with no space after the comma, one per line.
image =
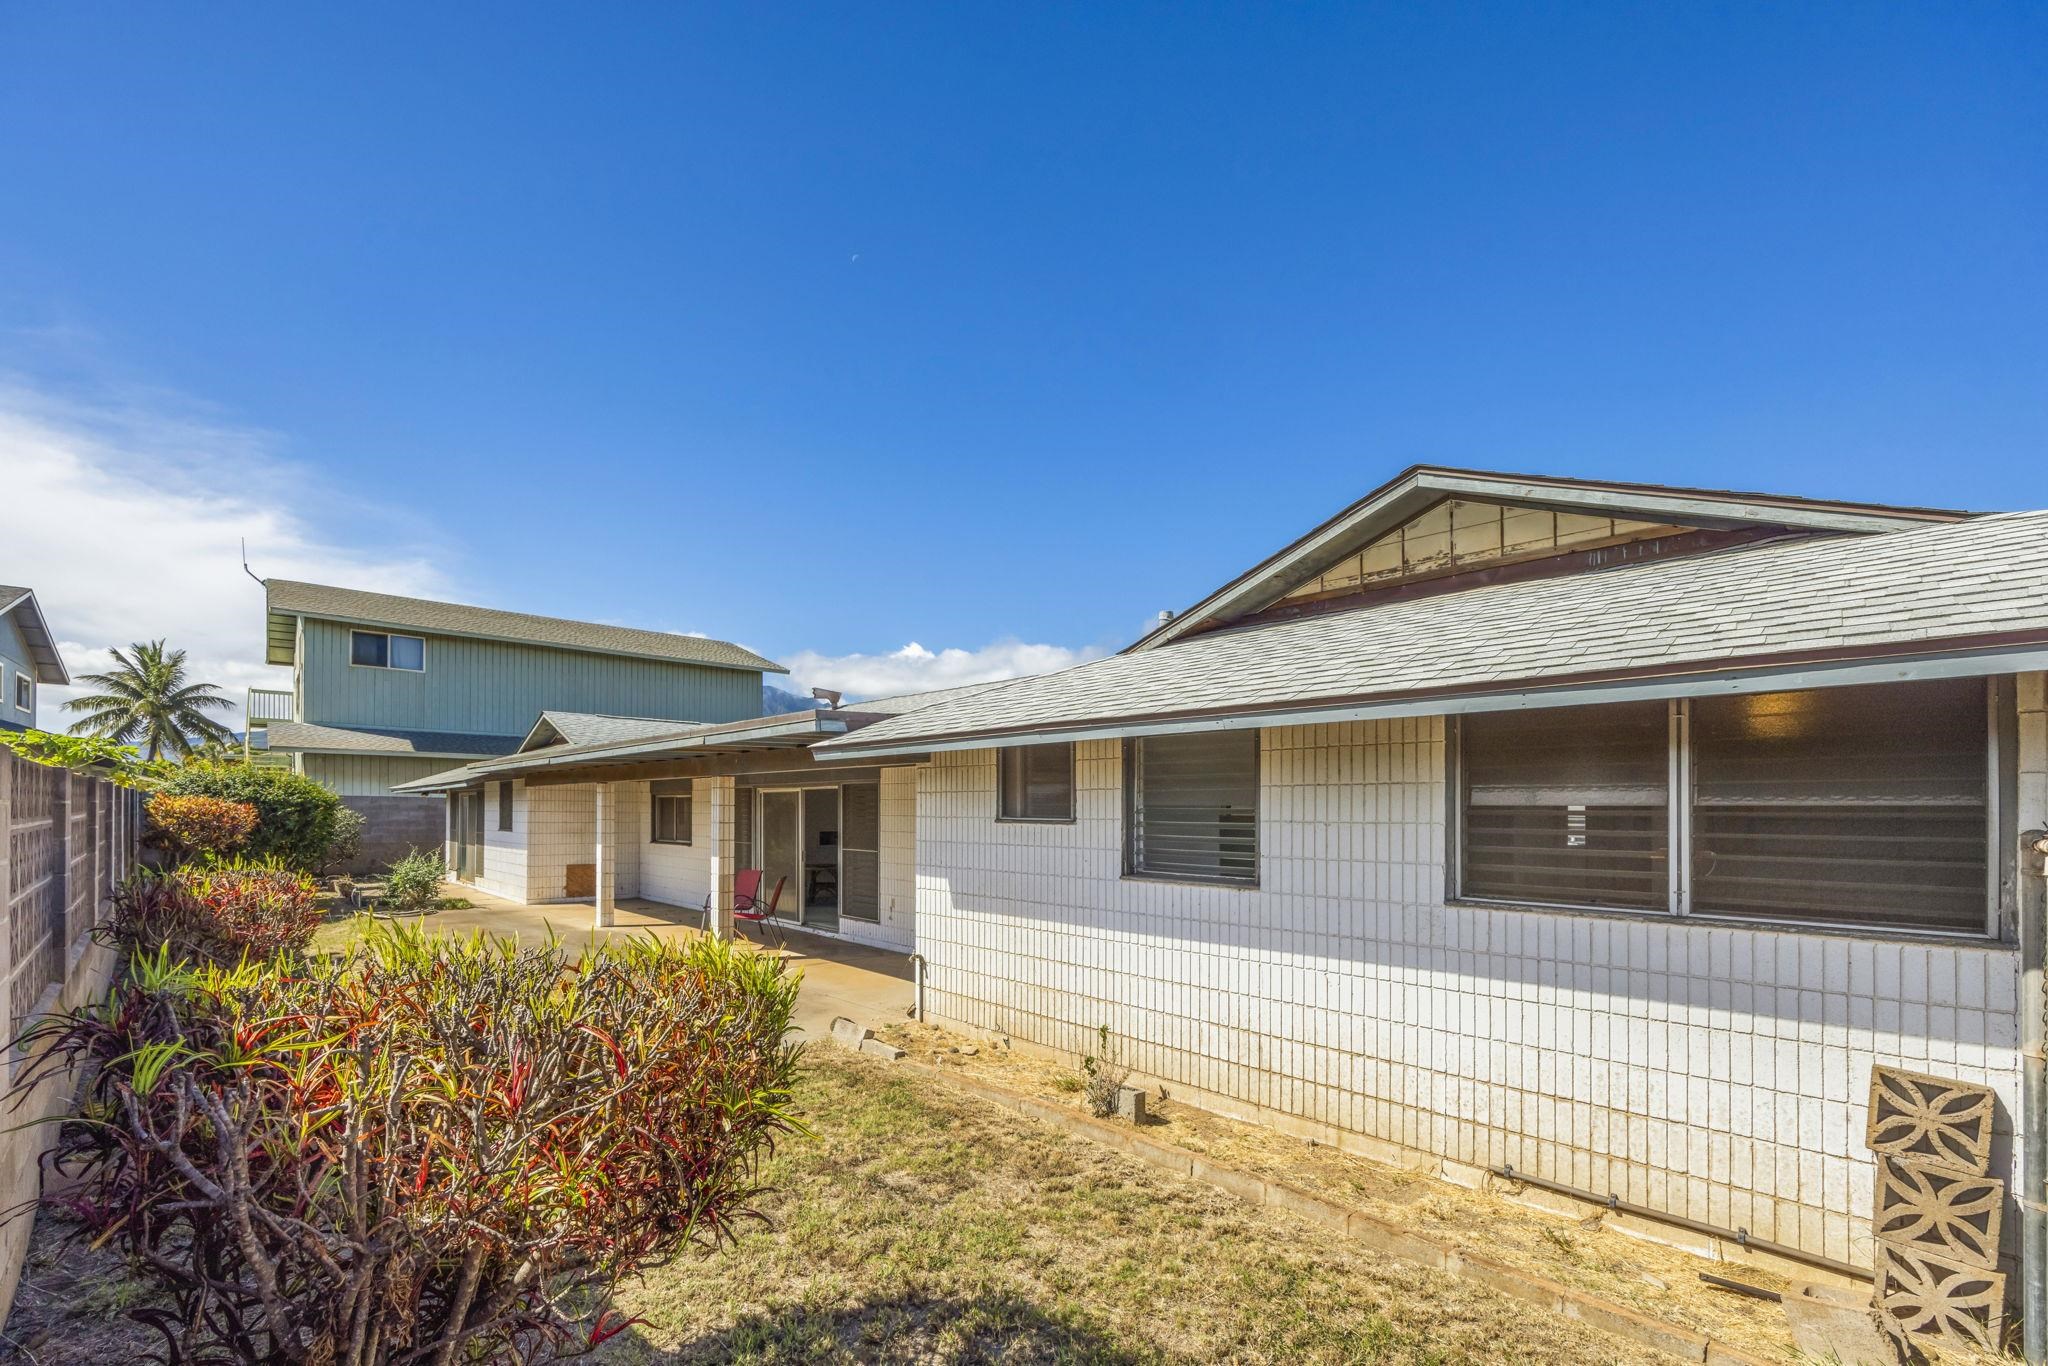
[840,977]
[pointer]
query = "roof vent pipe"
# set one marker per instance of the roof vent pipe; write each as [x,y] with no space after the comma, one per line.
[1165,615]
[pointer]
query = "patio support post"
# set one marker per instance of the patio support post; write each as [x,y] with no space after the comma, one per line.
[607,854]
[723,797]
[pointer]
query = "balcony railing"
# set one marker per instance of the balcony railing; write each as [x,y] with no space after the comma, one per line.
[268,704]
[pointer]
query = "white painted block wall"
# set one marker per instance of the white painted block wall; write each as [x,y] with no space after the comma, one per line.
[1710,1071]
[504,870]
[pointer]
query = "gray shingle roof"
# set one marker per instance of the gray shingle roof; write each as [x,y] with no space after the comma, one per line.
[300,735]
[904,703]
[448,618]
[585,728]
[1961,585]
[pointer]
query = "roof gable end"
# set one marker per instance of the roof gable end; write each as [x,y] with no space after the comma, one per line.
[1437,524]
[21,604]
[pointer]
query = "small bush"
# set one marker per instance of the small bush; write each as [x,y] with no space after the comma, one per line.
[215,914]
[432,1149]
[295,816]
[1106,1075]
[347,842]
[199,827]
[414,882]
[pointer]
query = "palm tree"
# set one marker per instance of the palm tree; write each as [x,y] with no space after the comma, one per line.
[147,700]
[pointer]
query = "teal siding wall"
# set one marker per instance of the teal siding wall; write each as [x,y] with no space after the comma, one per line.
[483,687]
[355,775]
[14,662]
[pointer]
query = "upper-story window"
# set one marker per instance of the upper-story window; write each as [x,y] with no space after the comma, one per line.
[1036,783]
[24,692]
[1855,807]
[377,650]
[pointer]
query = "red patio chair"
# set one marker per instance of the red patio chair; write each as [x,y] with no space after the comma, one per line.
[761,915]
[746,887]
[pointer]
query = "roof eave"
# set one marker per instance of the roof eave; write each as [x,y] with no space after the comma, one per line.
[42,644]
[1962,657]
[765,665]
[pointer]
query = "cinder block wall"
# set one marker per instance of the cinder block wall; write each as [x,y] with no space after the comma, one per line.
[395,826]
[1705,1070]
[561,830]
[505,862]
[679,874]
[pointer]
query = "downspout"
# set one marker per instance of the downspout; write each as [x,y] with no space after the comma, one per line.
[2033,1124]
[917,971]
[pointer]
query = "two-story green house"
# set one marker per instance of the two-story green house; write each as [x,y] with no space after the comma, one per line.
[387,689]
[28,657]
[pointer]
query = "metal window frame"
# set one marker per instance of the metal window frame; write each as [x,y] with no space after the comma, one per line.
[1998,745]
[387,666]
[687,825]
[504,808]
[1133,779]
[1010,754]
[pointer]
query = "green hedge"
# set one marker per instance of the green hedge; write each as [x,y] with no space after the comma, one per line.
[295,816]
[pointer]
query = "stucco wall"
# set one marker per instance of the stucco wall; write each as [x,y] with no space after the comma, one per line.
[1705,1070]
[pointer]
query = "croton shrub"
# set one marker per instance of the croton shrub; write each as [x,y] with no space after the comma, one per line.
[295,816]
[430,1149]
[217,913]
[199,827]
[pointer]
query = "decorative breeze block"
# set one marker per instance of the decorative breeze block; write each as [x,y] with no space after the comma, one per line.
[1930,1119]
[1929,1208]
[1918,1292]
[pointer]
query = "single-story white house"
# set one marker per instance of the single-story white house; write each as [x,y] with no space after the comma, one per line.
[1605,832]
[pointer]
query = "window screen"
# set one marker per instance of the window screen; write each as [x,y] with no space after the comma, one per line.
[1567,805]
[1855,806]
[371,648]
[408,652]
[1037,783]
[504,806]
[1193,805]
[672,812]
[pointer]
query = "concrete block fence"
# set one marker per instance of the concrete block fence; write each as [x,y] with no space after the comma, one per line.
[69,841]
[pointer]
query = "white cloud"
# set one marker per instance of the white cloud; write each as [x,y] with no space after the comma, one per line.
[916,669]
[126,514]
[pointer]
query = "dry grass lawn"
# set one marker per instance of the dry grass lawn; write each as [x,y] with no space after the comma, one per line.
[921,1225]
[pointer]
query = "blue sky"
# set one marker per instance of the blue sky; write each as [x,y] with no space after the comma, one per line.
[830,328]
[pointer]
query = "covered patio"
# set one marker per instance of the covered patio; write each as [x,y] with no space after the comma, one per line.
[674,820]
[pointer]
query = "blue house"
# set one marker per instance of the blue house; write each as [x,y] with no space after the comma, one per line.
[28,657]
[389,689]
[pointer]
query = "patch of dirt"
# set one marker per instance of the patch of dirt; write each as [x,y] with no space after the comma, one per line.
[72,1307]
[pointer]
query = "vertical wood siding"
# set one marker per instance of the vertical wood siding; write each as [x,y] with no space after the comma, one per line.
[483,687]
[371,775]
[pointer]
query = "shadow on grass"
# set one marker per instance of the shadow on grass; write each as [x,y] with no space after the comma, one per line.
[990,1327]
